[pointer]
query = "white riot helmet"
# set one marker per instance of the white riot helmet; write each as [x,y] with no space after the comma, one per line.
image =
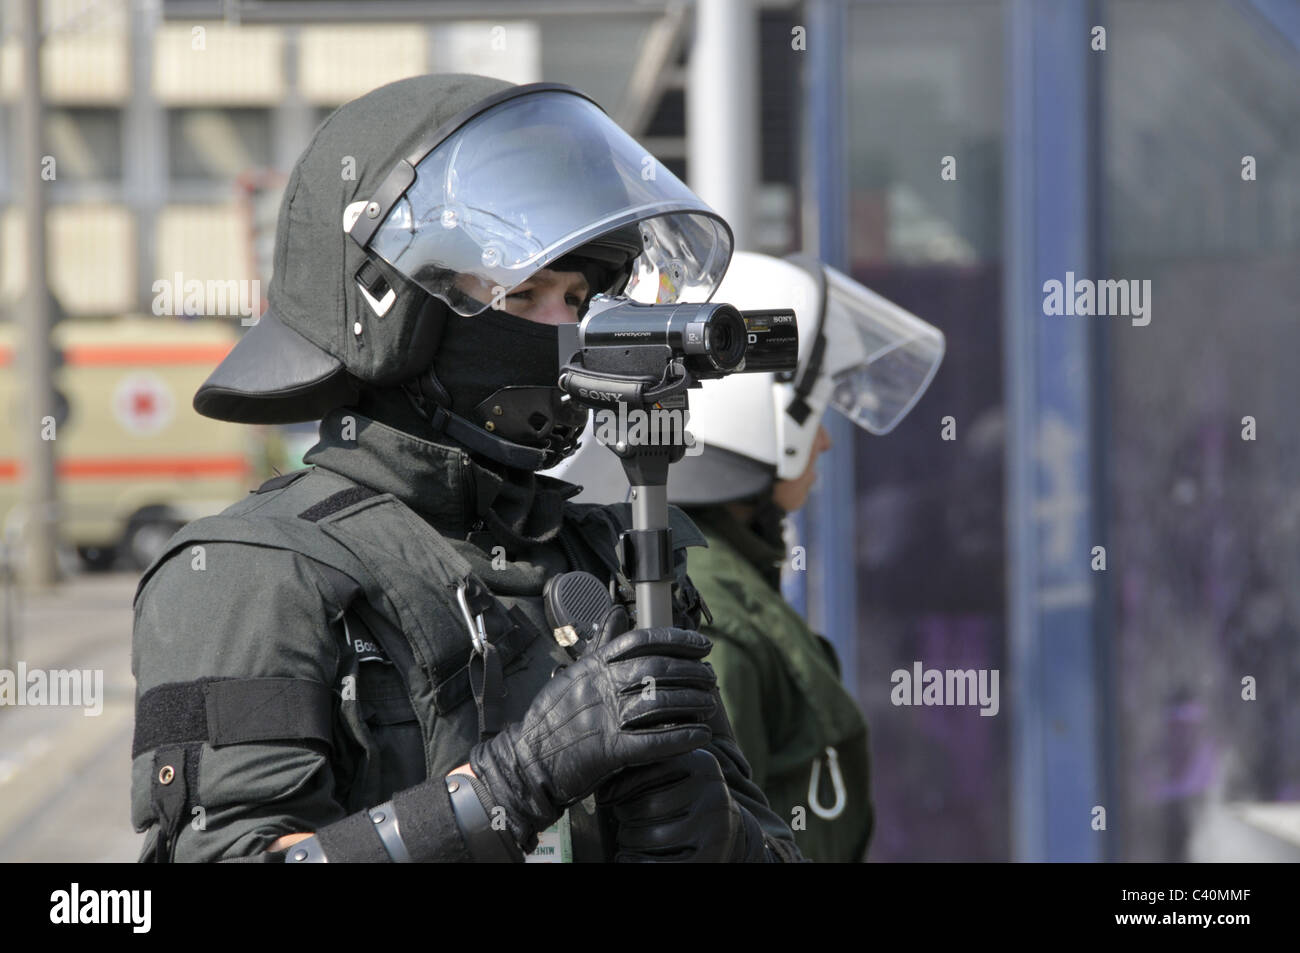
[858,352]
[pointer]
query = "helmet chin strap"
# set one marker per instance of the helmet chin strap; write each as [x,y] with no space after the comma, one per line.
[474,438]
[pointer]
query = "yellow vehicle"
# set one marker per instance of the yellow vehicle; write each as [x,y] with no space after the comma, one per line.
[134,460]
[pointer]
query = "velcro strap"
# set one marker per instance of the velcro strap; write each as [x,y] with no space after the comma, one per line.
[451,691]
[489,687]
[429,828]
[335,502]
[231,711]
[353,840]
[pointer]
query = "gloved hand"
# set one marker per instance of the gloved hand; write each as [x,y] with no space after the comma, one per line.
[680,810]
[593,719]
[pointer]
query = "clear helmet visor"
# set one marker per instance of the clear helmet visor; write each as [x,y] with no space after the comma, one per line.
[534,178]
[879,357]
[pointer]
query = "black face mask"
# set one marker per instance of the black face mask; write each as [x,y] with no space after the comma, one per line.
[478,356]
[499,372]
[489,361]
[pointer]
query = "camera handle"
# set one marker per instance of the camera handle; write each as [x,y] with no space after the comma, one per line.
[646,550]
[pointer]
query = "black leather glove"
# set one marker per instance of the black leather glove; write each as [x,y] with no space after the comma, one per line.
[681,810]
[593,719]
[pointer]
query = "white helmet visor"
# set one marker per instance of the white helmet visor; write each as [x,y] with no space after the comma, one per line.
[537,176]
[879,358]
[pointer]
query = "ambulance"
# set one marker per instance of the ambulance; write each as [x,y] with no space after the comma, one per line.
[135,462]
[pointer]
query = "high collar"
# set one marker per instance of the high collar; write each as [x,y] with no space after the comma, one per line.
[760,550]
[443,483]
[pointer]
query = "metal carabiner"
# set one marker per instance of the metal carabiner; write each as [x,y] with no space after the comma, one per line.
[837,782]
[477,630]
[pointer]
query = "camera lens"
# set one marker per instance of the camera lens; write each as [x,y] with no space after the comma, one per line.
[725,338]
[720,338]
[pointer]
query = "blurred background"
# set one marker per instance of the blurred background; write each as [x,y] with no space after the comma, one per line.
[953,155]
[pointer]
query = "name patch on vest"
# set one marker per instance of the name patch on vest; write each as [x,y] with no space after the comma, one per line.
[366,650]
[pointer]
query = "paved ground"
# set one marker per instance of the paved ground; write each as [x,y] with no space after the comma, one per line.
[65,776]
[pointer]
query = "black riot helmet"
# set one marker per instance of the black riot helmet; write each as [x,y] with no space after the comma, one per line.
[461,188]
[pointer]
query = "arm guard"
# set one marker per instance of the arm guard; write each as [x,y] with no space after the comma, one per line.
[445,820]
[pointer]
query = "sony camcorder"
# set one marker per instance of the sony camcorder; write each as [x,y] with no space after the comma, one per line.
[624,352]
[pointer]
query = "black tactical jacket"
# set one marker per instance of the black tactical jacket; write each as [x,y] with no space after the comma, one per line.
[299,657]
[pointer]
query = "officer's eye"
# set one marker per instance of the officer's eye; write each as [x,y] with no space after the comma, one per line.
[574,301]
[526,293]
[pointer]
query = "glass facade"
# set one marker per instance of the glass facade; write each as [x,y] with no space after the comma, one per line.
[1198,192]
[1199,97]
[923,134]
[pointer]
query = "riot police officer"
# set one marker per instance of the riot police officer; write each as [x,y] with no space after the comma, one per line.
[354,663]
[760,435]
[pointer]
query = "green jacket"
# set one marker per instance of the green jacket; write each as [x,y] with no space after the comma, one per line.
[279,692]
[797,725]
